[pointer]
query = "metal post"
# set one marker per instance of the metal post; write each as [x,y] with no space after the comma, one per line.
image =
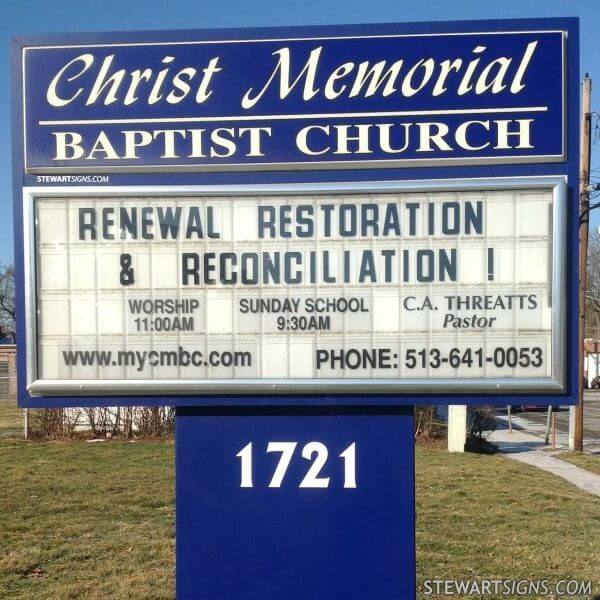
[508,408]
[548,418]
[26,423]
[583,243]
[571,428]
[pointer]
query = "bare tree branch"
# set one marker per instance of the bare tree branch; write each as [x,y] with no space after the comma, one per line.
[7,297]
[592,300]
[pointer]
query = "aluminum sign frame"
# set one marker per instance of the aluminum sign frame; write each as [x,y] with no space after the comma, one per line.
[494,385]
[563,389]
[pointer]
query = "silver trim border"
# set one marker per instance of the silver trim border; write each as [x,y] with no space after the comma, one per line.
[553,385]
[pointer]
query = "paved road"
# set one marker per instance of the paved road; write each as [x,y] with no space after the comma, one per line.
[591,416]
[535,422]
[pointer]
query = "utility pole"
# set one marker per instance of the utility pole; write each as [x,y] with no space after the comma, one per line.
[584,216]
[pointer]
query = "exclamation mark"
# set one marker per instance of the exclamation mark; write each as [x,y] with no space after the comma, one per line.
[490,264]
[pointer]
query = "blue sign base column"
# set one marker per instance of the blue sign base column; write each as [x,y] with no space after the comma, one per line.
[296,506]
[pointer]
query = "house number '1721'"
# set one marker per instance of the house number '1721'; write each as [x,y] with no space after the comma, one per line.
[315,452]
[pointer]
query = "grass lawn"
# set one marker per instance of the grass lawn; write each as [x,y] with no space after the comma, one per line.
[482,516]
[84,520]
[585,461]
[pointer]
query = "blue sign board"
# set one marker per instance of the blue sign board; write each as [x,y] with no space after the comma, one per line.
[295,506]
[342,98]
[355,215]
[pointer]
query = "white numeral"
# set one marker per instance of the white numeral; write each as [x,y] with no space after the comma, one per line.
[349,456]
[287,450]
[312,479]
[316,452]
[245,455]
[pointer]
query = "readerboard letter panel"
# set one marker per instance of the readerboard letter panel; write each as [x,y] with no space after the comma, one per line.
[330,290]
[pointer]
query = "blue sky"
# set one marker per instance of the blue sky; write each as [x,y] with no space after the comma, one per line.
[39,16]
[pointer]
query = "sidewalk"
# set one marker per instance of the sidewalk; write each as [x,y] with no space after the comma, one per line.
[535,424]
[528,449]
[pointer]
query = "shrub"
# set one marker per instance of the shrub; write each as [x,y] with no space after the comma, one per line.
[481,422]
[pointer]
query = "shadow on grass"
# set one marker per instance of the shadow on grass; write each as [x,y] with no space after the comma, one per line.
[477,445]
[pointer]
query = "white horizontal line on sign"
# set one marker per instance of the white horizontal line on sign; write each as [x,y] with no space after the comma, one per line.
[401,113]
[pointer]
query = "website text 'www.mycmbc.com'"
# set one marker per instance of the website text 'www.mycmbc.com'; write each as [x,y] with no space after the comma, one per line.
[141,359]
